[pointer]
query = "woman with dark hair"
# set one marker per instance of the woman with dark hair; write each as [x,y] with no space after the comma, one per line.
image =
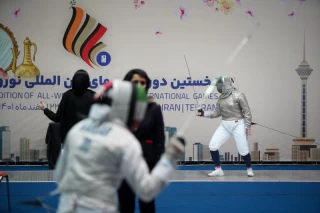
[152,139]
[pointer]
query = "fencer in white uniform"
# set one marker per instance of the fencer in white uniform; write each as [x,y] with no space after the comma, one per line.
[100,151]
[234,109]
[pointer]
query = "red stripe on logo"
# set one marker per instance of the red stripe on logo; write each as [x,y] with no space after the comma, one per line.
[95,38]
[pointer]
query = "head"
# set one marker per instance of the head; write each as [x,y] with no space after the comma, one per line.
[80,81]
[127,100]
[224,86]
[139,77]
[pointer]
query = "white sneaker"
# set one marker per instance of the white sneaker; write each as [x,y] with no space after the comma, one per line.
[217,172]
[250,173]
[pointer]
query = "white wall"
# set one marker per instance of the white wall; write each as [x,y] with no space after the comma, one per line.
[264,69]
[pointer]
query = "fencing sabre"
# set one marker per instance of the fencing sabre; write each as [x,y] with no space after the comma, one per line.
[252,123]
[211,87]
[194,91]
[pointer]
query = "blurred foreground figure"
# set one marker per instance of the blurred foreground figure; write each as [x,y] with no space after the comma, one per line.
[152,139]
[101,151]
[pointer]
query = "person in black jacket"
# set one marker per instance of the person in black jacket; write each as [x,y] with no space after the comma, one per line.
[74,105]
[152,139]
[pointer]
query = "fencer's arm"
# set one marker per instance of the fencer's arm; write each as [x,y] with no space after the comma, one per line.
[215,114]
[245,109]
[135,170]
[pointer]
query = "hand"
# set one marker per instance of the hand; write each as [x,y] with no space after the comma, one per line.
[248,131]
[43,105]
[200,112]
[175,146]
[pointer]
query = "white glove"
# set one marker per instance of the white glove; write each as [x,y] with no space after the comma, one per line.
[200,112]
[175,147]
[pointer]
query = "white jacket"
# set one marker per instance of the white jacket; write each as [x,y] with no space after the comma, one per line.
[95,160]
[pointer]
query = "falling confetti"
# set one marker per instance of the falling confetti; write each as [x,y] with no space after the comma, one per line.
[239,2]
[226,6]
[72,3]
[16,12]
[209,3]
[138,3]
[183,12]
[250,12]
[158,32]
[292,15]
[302,2]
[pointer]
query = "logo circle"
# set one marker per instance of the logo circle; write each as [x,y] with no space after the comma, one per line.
[103,58]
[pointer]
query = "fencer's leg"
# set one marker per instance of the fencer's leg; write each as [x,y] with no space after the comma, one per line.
[216,158]
[220,136]
[241,138]
[247,160]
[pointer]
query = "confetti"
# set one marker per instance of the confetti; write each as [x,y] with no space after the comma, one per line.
[226,6]
[138,3]
[158,32]
[250,12]
[183,12]
[292,15]
[209,3]
[16,12]
[239,2]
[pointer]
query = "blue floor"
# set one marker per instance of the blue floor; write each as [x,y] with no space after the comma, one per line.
[199,197]
[254,167]
[191,167]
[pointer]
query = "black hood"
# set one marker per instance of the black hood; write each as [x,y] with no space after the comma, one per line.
[80,82]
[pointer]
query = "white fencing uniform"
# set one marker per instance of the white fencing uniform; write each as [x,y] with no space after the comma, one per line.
[96,158]
[236,117]
[234,109]
[225,131]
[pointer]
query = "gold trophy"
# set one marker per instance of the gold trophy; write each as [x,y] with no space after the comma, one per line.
[26,69]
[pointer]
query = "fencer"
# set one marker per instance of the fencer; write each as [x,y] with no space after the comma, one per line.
[101,151]
[234,109]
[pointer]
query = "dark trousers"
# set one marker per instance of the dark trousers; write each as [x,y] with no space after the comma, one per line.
[53,144]
[127,198]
